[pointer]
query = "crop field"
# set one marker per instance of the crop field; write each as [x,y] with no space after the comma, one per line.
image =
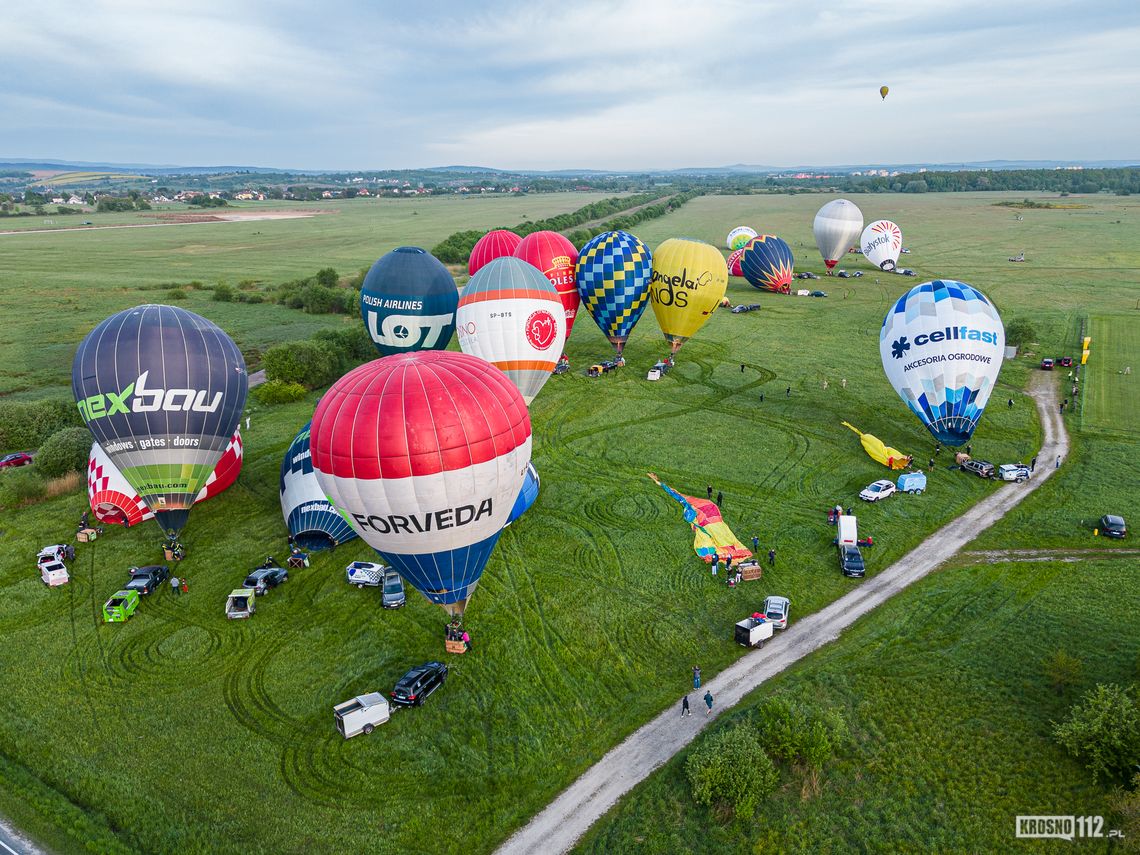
[1112,399]
[592,608]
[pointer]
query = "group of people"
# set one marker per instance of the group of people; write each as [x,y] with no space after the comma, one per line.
[719,495]
[179,586]
[453,631]
[696,685]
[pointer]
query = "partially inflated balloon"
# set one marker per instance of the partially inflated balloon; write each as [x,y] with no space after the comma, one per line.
[942,346]
[734,262]
[768,264]
[408,301]
[613,281]
[837,227]
[688,281]
[738,238]
[425,453]
[883,90]
[313,521]
[555,256]
[494,244]
[511,316]
[162,389]
[881,243]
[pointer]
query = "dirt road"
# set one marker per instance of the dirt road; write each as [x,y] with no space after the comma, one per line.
[565,819]
[12,843]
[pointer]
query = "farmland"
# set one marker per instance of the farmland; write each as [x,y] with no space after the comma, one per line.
[593,607]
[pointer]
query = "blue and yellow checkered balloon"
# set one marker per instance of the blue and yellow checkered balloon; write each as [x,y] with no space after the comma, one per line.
[613,281]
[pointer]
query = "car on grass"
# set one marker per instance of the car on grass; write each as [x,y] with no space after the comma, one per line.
[1112,525]
[905,250]
[981,468]
[56,552]
[16,458]
[854,274]
[905,271]
[1066,361]
[264,578]
[879,490]
[241,603]
[1046,364]
[1013,472]
[392,594]
[414,687]
[742,308]
[818,294]
[365,574]
[776,610]
[145,580]
[807,274]
[54,573]
[851,561]
[120,607]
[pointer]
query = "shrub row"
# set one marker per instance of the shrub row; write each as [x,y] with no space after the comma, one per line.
[627,221]
[25,425]
[316,362]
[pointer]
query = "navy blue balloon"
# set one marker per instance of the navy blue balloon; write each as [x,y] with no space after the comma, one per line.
[408,302]
[767,264]
[313,522]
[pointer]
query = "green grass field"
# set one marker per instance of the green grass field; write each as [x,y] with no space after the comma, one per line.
[1112,398]
[592,608]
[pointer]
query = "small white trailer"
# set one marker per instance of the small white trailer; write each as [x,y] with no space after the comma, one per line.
[361,714]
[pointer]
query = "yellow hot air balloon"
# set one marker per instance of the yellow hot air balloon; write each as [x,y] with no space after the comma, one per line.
[883,90]
[688,281]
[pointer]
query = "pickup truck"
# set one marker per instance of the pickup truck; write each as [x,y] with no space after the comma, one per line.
[145,580]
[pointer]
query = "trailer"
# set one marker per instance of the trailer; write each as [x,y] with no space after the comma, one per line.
[361,714]
[753,632]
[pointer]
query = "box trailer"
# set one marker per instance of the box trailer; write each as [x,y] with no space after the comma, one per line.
[753,632]
[361,714]
[848,530]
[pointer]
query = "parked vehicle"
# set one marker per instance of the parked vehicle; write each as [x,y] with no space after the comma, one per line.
[776,610]
[1046,364]
[18,458]
[879,490]
[981,468]
[365,573]
[848,530]
[56,552]
[905,271]
[146,580]
[1013,472]
[418,683]
[54,573]
[241,603]
[361,714]
[753,632]
[120,607]
[912,482]
[851,561]
[818,293]
[393,595]
[264,578]
[1066,362]
[1113,526]
[745,307]
[806,275]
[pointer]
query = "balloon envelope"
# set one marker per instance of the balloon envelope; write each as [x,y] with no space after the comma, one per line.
[555,256]
[492,245]
[734,262]
[527,495]
[837,227]
[767,264]
[881,243]
[425,453]
[942,345]
[688,281]
[313,521]
[162,390]
[407,302]
[613,281]
[883,90]
[738,238]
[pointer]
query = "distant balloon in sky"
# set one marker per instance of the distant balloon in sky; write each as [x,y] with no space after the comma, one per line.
[837,227]
[881,243]
[555,256]
[942,345]
[407,302]
[739,236]
[883,90]
[492,245]
[688,282]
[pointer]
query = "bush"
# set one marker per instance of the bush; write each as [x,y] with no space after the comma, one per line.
[223,293]
[308,363]
[24,425]
[23,486]
[802,736]
[1103,732]
[327,277]
[1125,805]
[175,294]
[730,769]
[64,451]
[278,392]
[1020,331]
[351,346]
[1062,670]
[323,300]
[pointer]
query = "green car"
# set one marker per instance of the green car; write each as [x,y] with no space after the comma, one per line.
[120,607]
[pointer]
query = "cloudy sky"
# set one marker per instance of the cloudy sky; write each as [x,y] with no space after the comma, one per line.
[624,84]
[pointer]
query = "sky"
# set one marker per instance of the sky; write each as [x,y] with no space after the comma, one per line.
[623,85]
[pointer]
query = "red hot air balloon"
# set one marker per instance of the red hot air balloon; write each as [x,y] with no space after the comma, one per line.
[734,261]
[492,245]
[556,258]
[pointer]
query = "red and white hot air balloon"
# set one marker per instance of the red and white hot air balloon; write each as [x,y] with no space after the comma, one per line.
[510,315]
[556,257]
[734,261]
[425,454]
[494,244]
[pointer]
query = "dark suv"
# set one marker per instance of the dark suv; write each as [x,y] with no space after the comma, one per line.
[851,561]
[418,683]
[1113,526]
[145,580]
[981,468]
[264,578]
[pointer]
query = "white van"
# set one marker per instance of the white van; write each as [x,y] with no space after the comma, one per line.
[54,573]
[848,530]
[361,714]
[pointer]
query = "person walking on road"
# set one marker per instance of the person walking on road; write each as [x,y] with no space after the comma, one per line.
[708,702]
[1058,466]
[1033,463]
[174,585]
[685,707]
[772,557]
[696,676]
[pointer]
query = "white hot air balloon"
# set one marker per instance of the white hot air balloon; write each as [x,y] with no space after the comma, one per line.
[738,238]
[881,244]
[510,315]
[837,227]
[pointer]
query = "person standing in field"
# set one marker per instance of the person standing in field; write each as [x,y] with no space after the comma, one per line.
[696,676]
[772,557]
[755,543]
[174,585]
[719,498]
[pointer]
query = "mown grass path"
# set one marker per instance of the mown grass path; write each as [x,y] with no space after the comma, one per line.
[567,818]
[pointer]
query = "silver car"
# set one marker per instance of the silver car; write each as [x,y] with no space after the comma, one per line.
[776,611]
[393,592]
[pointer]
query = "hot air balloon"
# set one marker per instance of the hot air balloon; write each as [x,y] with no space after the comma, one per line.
[942,345]
[555,257]
[511,316]
[162,390]
[881,243]
[494,244]
[734,262]
[613,281]
[408,302]
[688,281]
[425,453]
[883,90]
[739,237]
[313,522]
[115,502]
[837,227]
[527,494]
[767,264]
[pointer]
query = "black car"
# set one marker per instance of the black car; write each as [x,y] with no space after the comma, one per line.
[264,578]
[145,580]
[851,561]
[418,683]
[818,294]
[981,468]
[742,308]
[1112,526]
[905,271]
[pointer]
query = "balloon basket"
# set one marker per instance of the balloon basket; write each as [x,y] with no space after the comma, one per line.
[457,647]
[86,535]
